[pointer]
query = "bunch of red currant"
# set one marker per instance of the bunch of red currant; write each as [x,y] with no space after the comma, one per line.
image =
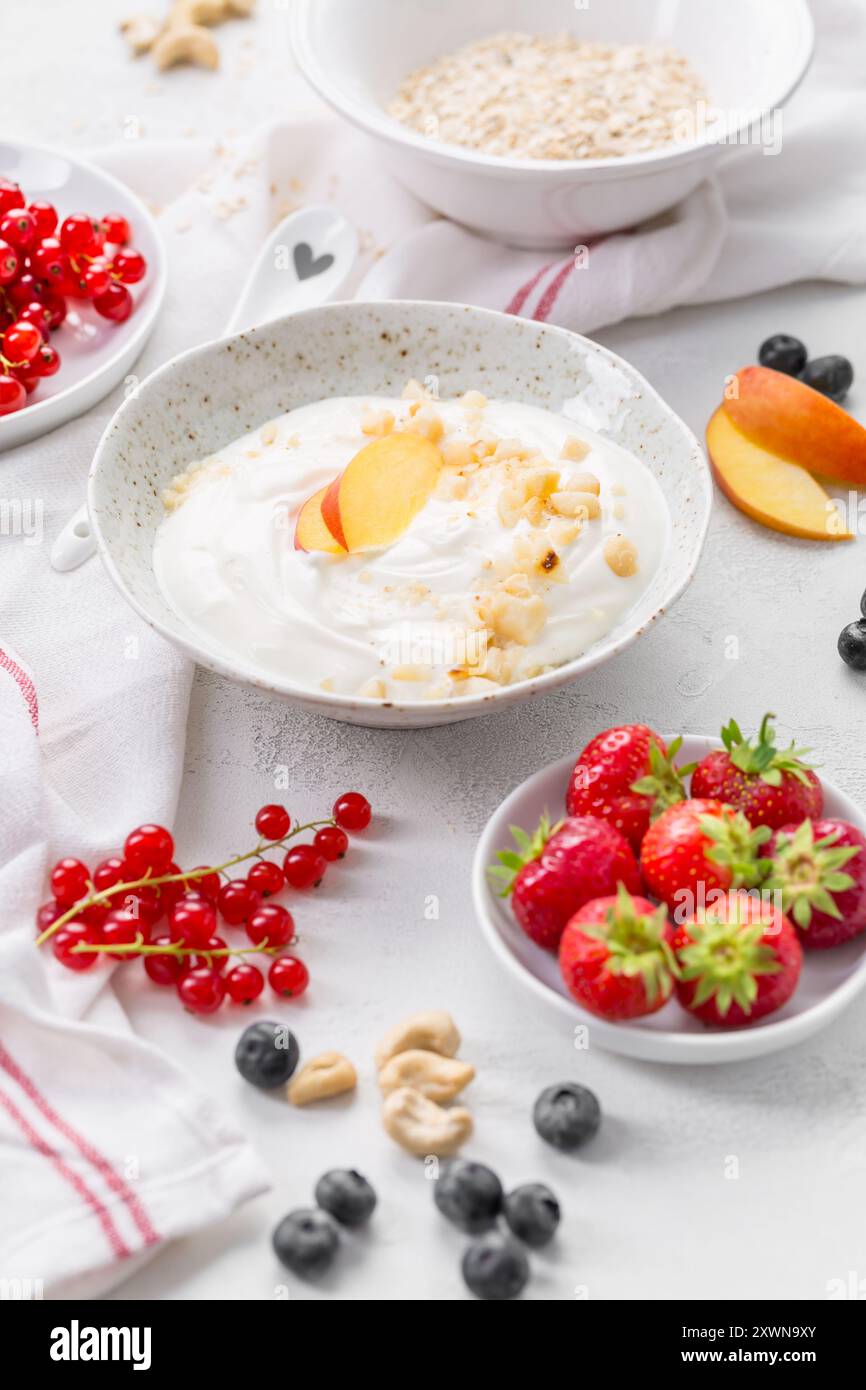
[113,911]
[40,268]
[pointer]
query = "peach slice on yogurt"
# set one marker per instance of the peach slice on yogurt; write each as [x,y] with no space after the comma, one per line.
[380,490]
[311,533]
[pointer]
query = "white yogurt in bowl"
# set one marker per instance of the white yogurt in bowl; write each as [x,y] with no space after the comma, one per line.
[537,539]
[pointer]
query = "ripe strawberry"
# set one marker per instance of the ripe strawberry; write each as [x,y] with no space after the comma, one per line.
[626,776]
[554,873]
[616,958]
[820,870]
[699,847]
[739,961]
[771,786]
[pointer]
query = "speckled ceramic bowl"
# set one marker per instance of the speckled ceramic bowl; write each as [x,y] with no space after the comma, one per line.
[198,402]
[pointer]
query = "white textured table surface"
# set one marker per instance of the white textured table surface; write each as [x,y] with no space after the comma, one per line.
[649,1211]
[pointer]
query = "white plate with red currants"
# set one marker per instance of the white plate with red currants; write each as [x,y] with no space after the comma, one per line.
[82,277]
[697,900]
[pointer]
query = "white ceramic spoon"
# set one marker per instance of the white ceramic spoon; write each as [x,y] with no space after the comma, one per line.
[306,260]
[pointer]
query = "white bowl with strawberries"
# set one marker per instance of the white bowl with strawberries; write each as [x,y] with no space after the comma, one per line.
[696,900]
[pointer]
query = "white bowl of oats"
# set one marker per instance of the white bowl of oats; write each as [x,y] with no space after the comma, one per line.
[544,122]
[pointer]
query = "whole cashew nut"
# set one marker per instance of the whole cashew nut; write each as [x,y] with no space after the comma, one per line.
[329,1074]
[422,1127]
[186,43]
[198,12]
[434,1031]
[437,1078]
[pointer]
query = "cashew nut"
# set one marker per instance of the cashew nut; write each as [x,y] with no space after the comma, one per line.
[240,7]
[422,1127]
[186,43]
[434,1031]
[141,32]
[198,12]
[329,1074]
[437,1078]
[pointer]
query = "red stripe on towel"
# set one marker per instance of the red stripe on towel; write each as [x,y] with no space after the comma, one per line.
[25,685]
[515,305]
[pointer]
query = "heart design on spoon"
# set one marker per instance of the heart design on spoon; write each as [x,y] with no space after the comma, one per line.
[306,265]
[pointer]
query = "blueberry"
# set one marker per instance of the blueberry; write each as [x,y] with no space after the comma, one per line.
[852,645]
[832,376]
[495,1267]
[266,1054]
[566,1115]
[306,1241]
[863,605]
[469,1194]
[532,1213]
[784,354]
[346,1195]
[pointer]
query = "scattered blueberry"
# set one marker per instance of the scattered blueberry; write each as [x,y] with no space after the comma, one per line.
[266,1054]
[306,1241]
[863,605]
[532,1213]
[832,376]
[566,1115]
[346,1195]
[852,645]
[495,1267]
[469,1194]
[784,354]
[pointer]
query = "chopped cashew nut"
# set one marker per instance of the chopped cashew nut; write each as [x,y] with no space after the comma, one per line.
[621,554]
[329,1074]
[186,43]
[574,449]
[584,482]
[434,1031]
[438,1078]
[422,1127]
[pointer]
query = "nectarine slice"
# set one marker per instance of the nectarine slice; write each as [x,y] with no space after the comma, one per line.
[381,489]
[769,489]
[797,423]
[311,533]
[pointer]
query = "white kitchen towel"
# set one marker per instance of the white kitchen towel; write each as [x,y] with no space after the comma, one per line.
[106,1147]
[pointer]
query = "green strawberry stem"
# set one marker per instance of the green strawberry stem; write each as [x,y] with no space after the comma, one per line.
[735,845]
[726,957]
[759,757]
[664,781]
[636,944]
[529,847]
[807,872]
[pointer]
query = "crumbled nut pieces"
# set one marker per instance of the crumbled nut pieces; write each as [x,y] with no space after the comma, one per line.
[621,555]
[552,97]
[418,1072]
[184,36]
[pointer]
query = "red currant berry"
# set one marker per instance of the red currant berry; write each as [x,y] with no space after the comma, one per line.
[45,217]
[78,234]
[95,279]
[220,963]
[148,847]
[27,377]
[9,263]
[49,261]
[201,990]
[352,811]
[206,882]
[115,303]
[47,915]
[47,360]
[94,915]
[109,872]
[36,313]
[74,934]
[163,970]
[143,903]
[21,342]
[331,841]
[13,394]
[69,879]
[115,229]
[25,290]
[271,924]
[121,928]
[237,901]
[244,983]
[273,822]
[19,229]
[266,878]
[304,867]
[288,976]
[10,195]
[193,920]
[56,306]
[130,266]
